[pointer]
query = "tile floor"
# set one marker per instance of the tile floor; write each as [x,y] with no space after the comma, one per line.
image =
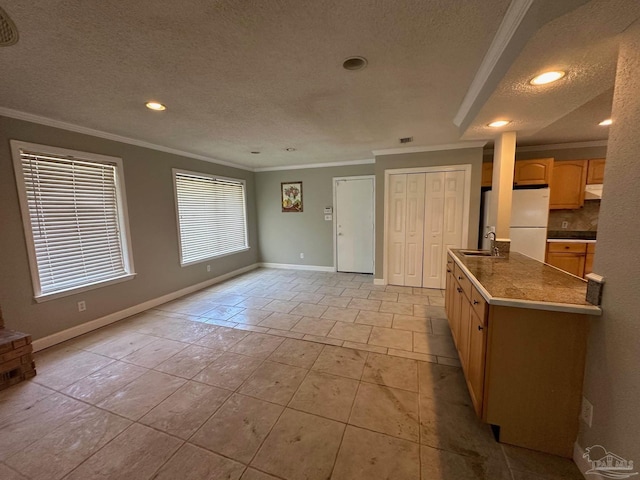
[273,374]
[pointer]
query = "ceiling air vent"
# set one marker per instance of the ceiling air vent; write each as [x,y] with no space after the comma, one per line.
[8,30]
[406,140]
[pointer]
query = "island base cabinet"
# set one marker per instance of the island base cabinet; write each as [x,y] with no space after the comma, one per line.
[533,377]
[476,361]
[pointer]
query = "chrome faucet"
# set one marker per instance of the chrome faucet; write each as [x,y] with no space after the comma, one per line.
[494,249]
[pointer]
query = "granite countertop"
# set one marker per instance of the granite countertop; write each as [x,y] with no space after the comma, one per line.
[572,234]
[520,281]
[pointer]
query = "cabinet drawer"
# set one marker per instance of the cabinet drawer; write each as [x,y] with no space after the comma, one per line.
[567,247]
[478,303]
[462,279]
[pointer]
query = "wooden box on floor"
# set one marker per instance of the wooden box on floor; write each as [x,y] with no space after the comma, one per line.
[16,358]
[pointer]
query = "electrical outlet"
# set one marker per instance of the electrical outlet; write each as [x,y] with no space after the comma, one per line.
[208,268]
[565,224]
[302,255]
[586,412]
[82,306]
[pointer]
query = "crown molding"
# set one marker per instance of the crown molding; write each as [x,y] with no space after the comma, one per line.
[315,165]
[557,146]
[50,122]
[510,23]
[430,148]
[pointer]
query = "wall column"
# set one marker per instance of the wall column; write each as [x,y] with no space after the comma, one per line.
[504,156]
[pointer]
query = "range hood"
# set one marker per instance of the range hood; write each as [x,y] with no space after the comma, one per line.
[593,192]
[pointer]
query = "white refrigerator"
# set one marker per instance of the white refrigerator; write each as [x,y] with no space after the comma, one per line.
[529,218]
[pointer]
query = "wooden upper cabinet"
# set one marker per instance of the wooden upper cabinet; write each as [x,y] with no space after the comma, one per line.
[533,172]
[595,171]
[568,180]
[487,174]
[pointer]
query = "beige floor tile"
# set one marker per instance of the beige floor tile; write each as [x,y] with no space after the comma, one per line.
[394,307]
[60,451]
[384,296]
[363,304]
[313,326]
[300,446]
[391,338]
[452,362]
[222,339]
[429,292]
[341,314]
[366,455]
[386,410]
[195,463]
[34,421]
[220,323]
[436,301]
[282,306]
[443,464]
[399,289]
[351,332]
[391,371]
[274,382]
[228,371]
[443,383]
[411,323]
[281,321]
[155,353]
[253,302]
[326,395]
[344,362]
[365,346]
[333,291]
[429,311]
[309,310]
[222,312]
[184,411]
[544,465]
[250,316]
[97,386]
[122,345]
[354,293]
[238,428]
[180,330]
[440,326]
[138,397]
[7,473]
[308,298]
[226,299]
[304,287]
[326,340]
[375,319]
[416,356]
[440,345]
[139,451]
[253,474]
[189,362]
[413,299]
[280,295]
[297,353]
[335,301]
[67,367]
[251,328]
[19,398]
[257,345]
[285,333]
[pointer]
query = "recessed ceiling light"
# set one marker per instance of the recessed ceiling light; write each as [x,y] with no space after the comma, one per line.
[290,149]
[354,63]
[606,122]
[499,123]
[547,77]
[158,107]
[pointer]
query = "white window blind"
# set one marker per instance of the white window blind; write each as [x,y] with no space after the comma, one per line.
[211,216]
[75,220]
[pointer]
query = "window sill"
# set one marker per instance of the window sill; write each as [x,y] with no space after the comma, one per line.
[188,264]
[72,291]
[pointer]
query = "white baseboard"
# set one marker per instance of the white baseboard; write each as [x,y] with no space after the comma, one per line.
[379,281]
[69,333]
[582,463]
[294,266]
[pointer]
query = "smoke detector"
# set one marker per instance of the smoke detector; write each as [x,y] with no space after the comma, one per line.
[8,30]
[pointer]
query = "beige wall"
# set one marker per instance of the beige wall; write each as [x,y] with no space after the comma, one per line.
[283,236]
[472,156]
[152,222]
[612,377]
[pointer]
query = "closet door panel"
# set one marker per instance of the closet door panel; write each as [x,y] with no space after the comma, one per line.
[414,229]
[397,228]
[433,229]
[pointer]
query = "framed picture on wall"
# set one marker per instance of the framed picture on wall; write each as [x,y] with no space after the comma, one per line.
[291,196]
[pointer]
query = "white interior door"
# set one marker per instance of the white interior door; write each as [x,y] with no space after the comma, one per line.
[433,229]
[414,229]
[354,225]
[452,235]
[397,228]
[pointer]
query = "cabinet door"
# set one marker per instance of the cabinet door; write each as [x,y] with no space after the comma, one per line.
[595,172]
[568,181]
[487,174]
[448,303]
[476,362]
[465,326]
[588,263]
[569,262]
[458,302]
[533,172]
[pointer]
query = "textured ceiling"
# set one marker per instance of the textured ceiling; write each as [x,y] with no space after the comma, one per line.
[255,75]
[584,43]
[247,75]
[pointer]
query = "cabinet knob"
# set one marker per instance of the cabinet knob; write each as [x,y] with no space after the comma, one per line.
[480,327]
[448,270]
[459,278]
[475,302]
[459,290]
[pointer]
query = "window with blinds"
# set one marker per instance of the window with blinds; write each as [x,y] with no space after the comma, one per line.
[212,218]
[74,218]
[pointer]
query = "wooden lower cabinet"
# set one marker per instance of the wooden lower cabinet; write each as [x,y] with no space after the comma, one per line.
[572,257]
[523,367]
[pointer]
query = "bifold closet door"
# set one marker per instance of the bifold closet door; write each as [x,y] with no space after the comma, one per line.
[397,228]
[414,238]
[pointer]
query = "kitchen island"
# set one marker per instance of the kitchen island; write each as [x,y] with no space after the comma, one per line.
[520,327]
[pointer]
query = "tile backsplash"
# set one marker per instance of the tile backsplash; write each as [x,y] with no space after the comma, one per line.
[583,219]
